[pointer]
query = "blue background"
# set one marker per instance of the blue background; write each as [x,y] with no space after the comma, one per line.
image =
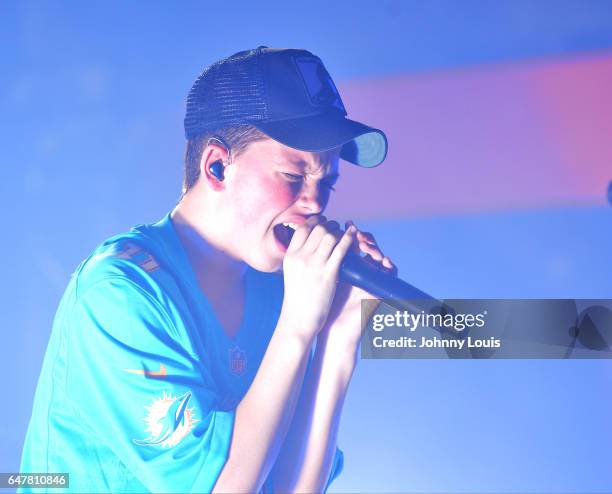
[92,103]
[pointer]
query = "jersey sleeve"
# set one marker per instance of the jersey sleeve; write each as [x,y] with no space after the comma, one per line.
[135,384]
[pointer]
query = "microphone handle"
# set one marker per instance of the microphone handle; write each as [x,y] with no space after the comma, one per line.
[355,271]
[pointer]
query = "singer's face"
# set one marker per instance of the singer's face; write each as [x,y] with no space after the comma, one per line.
[274,184]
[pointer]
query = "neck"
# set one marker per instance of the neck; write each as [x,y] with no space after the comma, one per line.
[209,259]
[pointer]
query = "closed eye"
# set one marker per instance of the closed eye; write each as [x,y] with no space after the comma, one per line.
[295,178]
[292,177]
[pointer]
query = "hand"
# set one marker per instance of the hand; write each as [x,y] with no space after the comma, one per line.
[310,270]
[344,322]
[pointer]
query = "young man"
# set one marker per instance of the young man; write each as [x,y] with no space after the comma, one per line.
[212,351]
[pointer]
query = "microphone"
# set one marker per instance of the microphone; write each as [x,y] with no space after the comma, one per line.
[401,295]
[590,325]
[356,271]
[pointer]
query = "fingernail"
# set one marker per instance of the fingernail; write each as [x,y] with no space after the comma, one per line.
[351,229]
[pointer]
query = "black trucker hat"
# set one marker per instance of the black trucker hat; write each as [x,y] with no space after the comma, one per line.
[288,95]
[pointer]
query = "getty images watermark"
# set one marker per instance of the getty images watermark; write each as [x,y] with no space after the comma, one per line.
[487,329]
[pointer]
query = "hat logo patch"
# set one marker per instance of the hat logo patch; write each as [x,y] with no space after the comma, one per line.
[319,85]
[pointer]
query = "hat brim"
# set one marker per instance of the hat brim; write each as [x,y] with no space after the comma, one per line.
[361,145]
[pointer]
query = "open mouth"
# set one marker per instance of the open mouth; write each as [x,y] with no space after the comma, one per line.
[283,233]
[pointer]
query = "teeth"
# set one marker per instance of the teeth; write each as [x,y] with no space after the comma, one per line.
[293,226]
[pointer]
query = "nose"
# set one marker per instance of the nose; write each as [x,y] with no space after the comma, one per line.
[311,199]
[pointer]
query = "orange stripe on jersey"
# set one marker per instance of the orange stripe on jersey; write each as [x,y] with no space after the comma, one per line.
[128,251]
[149,265]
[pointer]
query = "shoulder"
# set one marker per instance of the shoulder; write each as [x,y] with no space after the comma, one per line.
[126,256]
[126,288]
[133,269]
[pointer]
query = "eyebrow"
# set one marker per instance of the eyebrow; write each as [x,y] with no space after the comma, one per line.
[303,165]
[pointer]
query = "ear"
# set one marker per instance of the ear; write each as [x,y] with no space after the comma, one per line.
[212,152]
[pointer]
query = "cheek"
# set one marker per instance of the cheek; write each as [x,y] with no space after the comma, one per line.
[263,198]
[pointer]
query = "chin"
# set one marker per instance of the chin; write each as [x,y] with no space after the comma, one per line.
[270,269]
[266,264]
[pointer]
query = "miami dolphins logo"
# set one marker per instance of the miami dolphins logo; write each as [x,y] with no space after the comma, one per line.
[169,420]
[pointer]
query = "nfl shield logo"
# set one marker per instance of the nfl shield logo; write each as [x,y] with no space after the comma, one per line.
[237,360]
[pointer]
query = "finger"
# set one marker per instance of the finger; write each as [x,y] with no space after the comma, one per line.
[327,244]
[313,241]
[332,226]
[361,236]
[319,233]
[341,248]
[393,270]
[389,266]
[355,245]
[372,250]
[366,237]
[302,232]
[385,265]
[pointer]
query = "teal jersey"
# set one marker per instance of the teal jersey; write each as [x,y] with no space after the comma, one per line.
[140,382]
